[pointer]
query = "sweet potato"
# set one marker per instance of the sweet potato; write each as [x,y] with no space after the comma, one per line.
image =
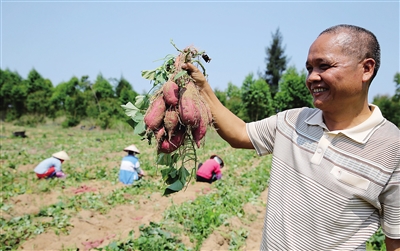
[171,120]
[155,113]
[200,131]
[182,114]
[205,112]
[189,110]
[171,93]
[160,134]
[170,145]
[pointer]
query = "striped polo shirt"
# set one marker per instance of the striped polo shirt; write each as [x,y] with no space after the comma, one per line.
[328,190]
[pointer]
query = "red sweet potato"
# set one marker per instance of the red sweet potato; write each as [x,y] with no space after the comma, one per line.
[200,131]
[171,121]
[177,139]
[205,111]
[160,134]
[171,93]
[189,110]
[155,113]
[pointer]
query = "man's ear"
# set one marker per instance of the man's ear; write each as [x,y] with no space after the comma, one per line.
[369,67]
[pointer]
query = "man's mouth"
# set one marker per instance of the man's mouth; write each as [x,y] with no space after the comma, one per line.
[317,90]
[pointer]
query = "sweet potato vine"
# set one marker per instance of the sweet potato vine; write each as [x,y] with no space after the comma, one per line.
[173,115]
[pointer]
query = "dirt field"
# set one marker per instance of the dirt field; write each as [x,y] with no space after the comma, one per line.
[91,229]
[100,151]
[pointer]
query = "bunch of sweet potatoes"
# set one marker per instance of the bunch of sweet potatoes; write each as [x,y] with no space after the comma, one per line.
[177,113]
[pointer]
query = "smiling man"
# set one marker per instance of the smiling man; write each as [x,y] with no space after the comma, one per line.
[335,173]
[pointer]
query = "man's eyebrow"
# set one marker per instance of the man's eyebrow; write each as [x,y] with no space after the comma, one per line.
[318,61]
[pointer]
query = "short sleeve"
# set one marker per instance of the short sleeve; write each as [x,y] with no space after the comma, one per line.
[262,134]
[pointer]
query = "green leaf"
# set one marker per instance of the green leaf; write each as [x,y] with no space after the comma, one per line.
[140,101]
[139,117]
[183,174]
[167,159]
[164,159]
[170,175]
[130,109]
[139,128]
[165,172]
[175,187]
[149,74]
[173,174]
[131,123]
[161,78]
[180,74]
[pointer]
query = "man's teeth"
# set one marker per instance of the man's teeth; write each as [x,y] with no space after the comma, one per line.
[318,90]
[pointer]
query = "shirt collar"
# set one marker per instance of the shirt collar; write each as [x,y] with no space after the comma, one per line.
[360,133]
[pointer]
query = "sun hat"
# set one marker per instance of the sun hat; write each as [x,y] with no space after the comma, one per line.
[131,148]
[218,159]
[61,155]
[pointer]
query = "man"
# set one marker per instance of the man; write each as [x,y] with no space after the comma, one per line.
[335,174]
[130,166]
[51,167]
[210,170]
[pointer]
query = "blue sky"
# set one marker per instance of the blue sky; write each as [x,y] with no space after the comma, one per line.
[62,39]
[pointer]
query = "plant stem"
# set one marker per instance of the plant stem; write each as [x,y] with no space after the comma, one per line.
[204,69]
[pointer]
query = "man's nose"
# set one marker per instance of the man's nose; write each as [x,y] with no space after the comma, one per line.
[313,76]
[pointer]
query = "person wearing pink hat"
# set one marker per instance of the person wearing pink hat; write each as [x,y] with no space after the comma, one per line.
[130,166]
[51,167]
[210,170]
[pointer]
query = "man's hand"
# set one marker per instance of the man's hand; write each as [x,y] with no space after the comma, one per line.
[196,74]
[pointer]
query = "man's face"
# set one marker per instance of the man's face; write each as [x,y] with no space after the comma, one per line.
[334,78]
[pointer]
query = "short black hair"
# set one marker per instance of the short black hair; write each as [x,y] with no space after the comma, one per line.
[362,43]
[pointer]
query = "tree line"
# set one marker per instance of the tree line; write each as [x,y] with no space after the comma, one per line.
[78,98]
[32,100]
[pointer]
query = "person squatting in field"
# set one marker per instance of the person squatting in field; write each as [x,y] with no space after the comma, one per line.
[130,166]
[335,172]
[51,167]
[210,170]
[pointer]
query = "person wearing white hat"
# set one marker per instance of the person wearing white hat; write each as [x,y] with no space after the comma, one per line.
[130,166]
[51,167]
[210,170]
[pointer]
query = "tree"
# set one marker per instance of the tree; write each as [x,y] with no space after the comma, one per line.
[221,95]
[122,84]
[13,93]
[293,92]
[103,88]
[256,98]
[125,92]
[106,107]
[396,80]
[234,101]
[390,106]
[68,99]
[39,92]
[276,62]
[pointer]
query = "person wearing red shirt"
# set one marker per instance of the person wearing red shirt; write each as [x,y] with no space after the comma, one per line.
[210,170]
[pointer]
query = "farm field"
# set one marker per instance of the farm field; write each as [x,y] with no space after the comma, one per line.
[90,209]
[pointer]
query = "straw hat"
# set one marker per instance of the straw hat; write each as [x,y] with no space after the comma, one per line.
[218,159]
[131,148]
[61,155]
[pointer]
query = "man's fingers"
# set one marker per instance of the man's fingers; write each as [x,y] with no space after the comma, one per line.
[189,67]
